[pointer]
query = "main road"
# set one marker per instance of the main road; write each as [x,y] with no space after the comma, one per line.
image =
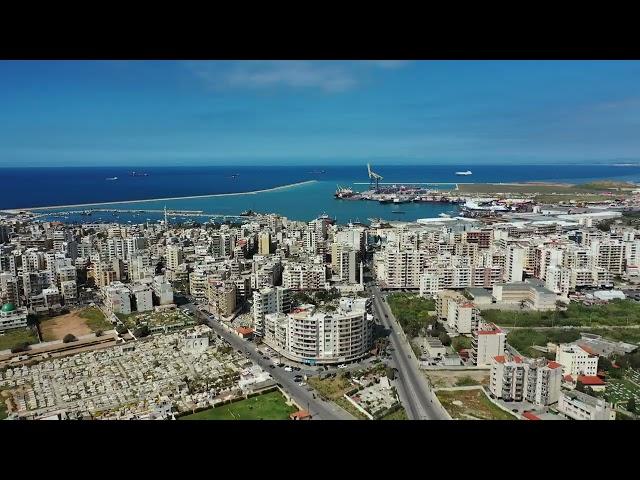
[318,408]
[415,393]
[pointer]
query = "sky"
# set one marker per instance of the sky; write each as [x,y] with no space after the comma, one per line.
[77,113]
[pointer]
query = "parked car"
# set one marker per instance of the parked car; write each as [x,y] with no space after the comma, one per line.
[342,365]
[288,369]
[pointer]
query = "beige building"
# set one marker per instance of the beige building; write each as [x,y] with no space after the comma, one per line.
[221,297]
[264,243]
[531,292]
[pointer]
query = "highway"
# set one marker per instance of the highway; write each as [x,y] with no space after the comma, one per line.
[318,408]
[415,393]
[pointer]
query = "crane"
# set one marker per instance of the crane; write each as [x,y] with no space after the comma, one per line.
[373,177]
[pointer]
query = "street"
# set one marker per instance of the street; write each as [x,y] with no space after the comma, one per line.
[318,408]
[414,391]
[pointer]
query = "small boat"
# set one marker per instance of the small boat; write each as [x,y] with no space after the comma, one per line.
[248,213]
[398,211]
[466,172]
[111,178]
[444,215]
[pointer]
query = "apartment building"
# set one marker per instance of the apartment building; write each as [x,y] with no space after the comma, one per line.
[266,301]
[488,342]
[302,276]
[313,337]
[12,317]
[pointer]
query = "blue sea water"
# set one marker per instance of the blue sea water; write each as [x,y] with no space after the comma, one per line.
[36,187]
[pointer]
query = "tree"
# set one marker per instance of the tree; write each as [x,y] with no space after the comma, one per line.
[445,339]
[22,347]
[141,332]
[121,329]
[68,338]
[98,333]
[631,405]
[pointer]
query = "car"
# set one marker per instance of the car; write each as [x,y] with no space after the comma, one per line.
[281,365]
[297,369]
[298,376]
[302,384]
[297,380]
[288,369]
[342,365]
[265,357]
[272,366]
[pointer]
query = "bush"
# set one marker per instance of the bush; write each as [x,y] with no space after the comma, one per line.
[69,338]
[141,332]
[121,329]
[98,333]
[22,347]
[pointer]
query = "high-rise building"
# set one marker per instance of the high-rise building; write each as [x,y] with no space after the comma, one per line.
[515,264]
[266,301]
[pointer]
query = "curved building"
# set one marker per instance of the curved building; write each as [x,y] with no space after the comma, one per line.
[310,336]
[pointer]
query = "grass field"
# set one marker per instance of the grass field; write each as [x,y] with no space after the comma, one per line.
[18,336]
[270,406]
[616,313]
[412,311]
[78,323]
[583,190]
[471,405]
[457,378]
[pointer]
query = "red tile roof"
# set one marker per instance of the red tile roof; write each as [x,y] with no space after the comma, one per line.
[244,330]
[590,380]
[300,415]
[499,358]
[587,349]
[530,416]
[568,378]
[553,364]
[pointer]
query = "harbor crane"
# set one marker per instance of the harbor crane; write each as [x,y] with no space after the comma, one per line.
[373,177]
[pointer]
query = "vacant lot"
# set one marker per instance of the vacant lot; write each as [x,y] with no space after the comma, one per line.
[455,378]
[270,406]
[616,313]
[18,336]
[78,323]
[399,414]
[334,388]
[412,311]
[471,405]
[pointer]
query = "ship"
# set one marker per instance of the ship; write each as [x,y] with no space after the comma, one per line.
[111,178]
[138,174]
[248,213]
[343,192]
[466,172]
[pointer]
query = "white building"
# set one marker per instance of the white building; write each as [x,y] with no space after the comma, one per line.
[314,337]
[302,276]
[266,301]
[488,342]
[580,406]
[576,361]
[462,315]
[12,317]
[143,295]
[515,263]
[516,379]
[117,299]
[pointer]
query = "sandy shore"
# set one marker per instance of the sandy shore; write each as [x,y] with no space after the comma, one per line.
[282,187]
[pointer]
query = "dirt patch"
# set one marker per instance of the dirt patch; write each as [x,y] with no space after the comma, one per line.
[57,327]
[471,404]
[451,378]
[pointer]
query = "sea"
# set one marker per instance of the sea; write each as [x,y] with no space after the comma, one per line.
[237,189]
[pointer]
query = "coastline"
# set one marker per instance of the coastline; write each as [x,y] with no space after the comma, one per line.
[253,192]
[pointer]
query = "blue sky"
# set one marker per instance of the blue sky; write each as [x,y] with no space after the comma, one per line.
[64,113]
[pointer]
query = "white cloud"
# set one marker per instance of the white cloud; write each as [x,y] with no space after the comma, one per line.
[329,76]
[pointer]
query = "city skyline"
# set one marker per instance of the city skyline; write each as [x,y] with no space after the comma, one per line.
[161,113]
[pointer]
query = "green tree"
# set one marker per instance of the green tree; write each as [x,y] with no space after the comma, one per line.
[631,405]
[445,339]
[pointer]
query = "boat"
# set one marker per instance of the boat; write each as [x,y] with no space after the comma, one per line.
[248,213]
[466,172]
[398,211]
[111,178]
[444,215]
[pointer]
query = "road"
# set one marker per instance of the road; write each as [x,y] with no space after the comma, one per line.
[318,408]
[415,393]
